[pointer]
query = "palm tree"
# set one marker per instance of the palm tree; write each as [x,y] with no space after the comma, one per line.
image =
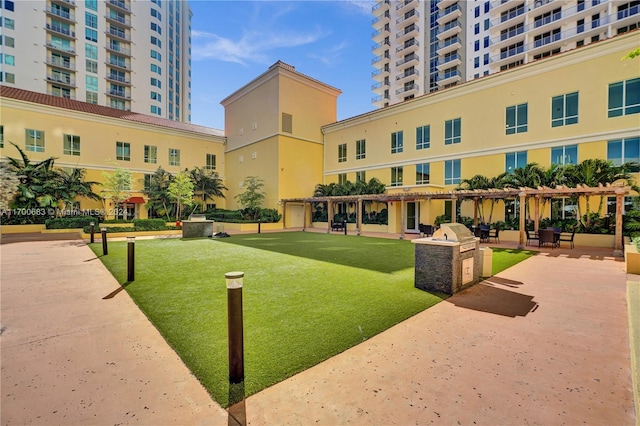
[529,176]
[497,182]
[71,185]
[477,182]
[207,184]
[37,181]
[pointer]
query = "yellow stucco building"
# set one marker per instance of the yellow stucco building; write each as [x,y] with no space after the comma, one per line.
[282,128]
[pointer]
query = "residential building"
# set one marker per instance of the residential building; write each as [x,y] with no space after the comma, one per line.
[130,55]
[424,46]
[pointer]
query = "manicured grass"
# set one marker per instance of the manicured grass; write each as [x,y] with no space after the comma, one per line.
[307,297]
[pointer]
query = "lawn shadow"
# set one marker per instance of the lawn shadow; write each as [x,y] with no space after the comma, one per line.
[116,291]
[370,253]
[237,409]
[488,298]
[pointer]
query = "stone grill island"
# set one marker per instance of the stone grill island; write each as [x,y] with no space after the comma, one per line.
[197,227]
[449,261]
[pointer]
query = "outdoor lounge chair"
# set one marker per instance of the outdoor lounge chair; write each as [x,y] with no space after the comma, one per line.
[532,236]
[494,233]
[426,230]
[567,238]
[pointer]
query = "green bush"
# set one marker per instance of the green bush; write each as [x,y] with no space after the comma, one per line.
[149,224]
[70,222]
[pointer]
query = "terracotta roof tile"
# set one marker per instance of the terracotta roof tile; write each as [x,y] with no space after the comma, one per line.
[70,104]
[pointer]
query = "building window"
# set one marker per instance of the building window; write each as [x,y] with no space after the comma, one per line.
[156,69]
[71,145]
[361,176]
[423,137]
[516,119]
[9,5]
[515,160]
[91,83]
[622,151]
[91,66]
[396,176]
[9,59]
[156,55]
[8,23]
[156,41]
[451,172]
[174,157]
[91,4]
[91,51]
[563,208]
[156,14]
[156,96]
[156,82]
[34,140]
[342,153]
[150,154]
[422,173]
[396,142]
[155,27]
[8,77]
[1,136]
[211,162]
[564,109]
[9,41]
[92,98]
[361,149]
[564,155]
[624,98]
[123,151]
[452,131]
[342,178]
[91,35]
[287,123]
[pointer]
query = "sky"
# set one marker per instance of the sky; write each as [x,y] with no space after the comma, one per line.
[233,42]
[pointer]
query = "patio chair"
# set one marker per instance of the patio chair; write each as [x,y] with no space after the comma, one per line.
[546,236]
[484,233]
[426,230]
[494,233]
[532,236]
[567,238]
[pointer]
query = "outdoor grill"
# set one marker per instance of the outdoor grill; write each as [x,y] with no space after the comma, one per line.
[449,261]
[197,227]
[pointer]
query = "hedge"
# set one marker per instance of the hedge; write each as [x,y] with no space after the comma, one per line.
[70,222]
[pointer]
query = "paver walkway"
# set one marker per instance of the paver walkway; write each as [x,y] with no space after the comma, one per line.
[545,342]
[70,357]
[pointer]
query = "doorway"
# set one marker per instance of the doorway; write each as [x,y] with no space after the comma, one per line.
[413,217]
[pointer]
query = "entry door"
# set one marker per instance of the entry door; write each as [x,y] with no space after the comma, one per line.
[413,217]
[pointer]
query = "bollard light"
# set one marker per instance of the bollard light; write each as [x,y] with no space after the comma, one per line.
[344,225]
[131,258]
[92,230]
[234,313]
[105,249]
[259,221]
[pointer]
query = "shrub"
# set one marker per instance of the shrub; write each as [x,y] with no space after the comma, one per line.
[149,224]
[70,222]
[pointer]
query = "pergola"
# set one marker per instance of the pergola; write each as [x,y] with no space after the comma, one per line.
[477,196]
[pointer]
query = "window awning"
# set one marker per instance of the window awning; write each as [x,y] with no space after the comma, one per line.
[135,200]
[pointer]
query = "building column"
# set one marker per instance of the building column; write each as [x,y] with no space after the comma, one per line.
[329,215]
[454,209]
[402,213]
[475,211]
[523,209]
[617,251]
[304,215]
[536,219]
[359,216]
[284,215]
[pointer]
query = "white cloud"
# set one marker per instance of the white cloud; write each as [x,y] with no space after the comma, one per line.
[252,47]
[331,55]
[361,6]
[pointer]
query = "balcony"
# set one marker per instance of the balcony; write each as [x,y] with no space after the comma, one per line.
[114,47]
[68,16]
[381,19]
[122,6]
[380,99]
[60,79]
[628,15]
[380,72]
[380,58]
[449,14]
[380,4]
[379,87]
[407,90]
[449,77]
[60,63]
[443,4]
[379,48]
[542,6]
[119,79]
[409,32]
[58,94]
[449,29]
[512,54]
[509,18]
[448,45]
[449,62]
[405,5]
[67,3]
[118,64]
[60,48]
[118,19]
[380,34]
[57,29]
[407,75]
[408,47]
[409,60]
[499,6]
[119,34]
[409,18]
[511,36]
[118,94]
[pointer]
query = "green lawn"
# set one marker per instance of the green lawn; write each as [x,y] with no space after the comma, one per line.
[307,297]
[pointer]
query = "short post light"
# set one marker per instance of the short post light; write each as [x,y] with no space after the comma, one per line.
[259,222]
[236,334]
[105,249]
[344,225]
[131,258]
[92,231]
